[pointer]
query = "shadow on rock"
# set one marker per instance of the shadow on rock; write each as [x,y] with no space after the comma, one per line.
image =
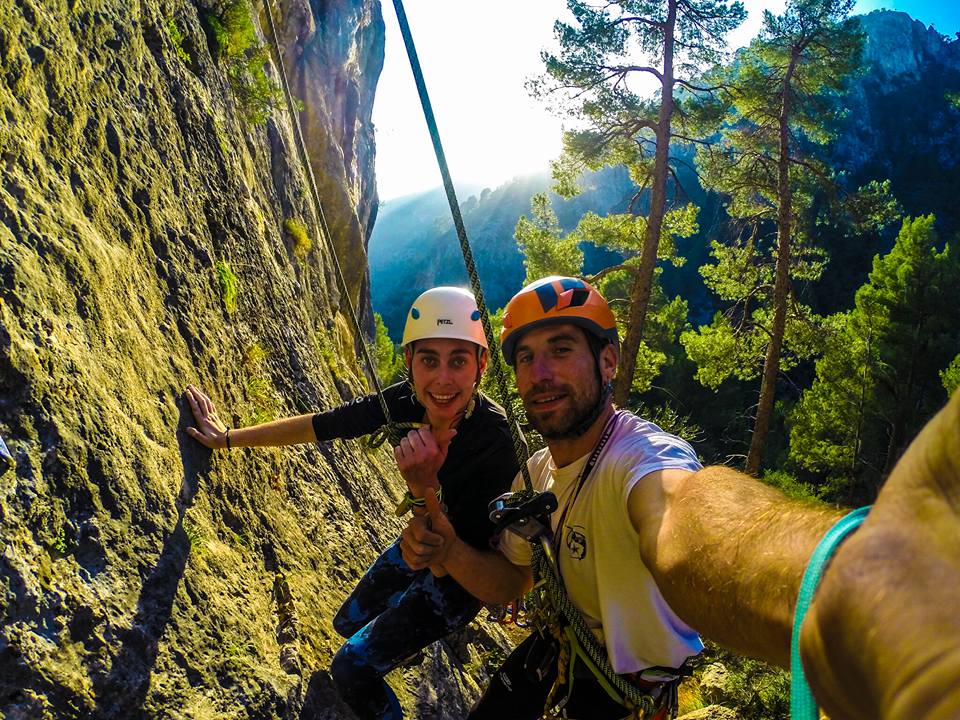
[121,694]
[322,702]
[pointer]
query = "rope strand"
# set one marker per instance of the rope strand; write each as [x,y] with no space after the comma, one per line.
[318,206]
[495,355]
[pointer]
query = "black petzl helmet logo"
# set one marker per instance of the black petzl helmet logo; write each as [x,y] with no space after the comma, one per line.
[444,321]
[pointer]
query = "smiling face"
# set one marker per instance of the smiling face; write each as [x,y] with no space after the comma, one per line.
[444,372]
[557,378]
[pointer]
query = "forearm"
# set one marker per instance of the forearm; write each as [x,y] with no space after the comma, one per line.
[729,556]
[487,575]
[287,431]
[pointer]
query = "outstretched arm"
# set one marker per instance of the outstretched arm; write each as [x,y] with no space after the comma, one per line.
[728,554]
[212,432]
[882,638]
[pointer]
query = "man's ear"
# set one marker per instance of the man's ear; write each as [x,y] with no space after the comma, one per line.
[481,362]
[608,362]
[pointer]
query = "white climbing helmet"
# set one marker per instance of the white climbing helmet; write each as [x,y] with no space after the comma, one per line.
[444,312]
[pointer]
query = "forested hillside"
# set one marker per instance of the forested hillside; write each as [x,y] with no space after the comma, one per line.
[884,154]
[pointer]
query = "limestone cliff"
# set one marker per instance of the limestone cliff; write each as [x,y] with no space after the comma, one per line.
[155,230]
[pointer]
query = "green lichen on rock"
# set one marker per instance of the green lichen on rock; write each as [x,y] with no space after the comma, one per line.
[227,280]
[302,242]
[132,556]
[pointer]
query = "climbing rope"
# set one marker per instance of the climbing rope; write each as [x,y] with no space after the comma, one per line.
[494,353]
[390,431]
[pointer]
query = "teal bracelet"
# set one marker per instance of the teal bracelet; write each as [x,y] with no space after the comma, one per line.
[803,706]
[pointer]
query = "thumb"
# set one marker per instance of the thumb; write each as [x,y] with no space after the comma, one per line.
[444,439]
[438,518]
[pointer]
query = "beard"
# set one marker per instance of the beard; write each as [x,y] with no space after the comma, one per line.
[567,421]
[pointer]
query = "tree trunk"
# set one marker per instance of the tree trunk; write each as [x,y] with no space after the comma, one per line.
[643,281]
[781,287]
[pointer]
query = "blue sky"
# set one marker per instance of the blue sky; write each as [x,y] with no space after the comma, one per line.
[943,15]
[476,57]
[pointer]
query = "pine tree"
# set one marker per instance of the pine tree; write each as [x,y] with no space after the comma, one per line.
[880,378]
[777,111]
[606,54]
[540,240]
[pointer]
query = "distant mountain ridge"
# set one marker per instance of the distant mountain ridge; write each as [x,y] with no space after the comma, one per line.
[900,125]
[414,244]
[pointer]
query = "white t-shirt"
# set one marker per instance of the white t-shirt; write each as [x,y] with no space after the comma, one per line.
[599,552]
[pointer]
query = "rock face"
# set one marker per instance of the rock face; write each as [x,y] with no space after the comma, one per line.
[149,238]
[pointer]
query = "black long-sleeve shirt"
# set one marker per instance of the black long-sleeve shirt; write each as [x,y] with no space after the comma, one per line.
[480,465]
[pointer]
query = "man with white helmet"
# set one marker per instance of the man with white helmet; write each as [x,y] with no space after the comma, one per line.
[463,453]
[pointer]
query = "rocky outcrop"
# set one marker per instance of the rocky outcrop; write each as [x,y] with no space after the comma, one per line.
[143,246]
[896,44]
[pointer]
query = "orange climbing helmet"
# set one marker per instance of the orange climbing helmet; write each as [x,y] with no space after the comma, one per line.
[552,301]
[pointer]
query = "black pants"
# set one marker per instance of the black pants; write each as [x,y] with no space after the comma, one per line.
[517,694]
[391,614]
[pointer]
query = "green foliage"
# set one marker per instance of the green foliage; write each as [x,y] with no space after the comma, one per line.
[545,250]
[195,536]
[666,417]
[665,319]
[754,689]
[881,376]
[60,541]
[302,242]
[235,36]
[227,280]
[387,356]
[735,343]
[177,38]
[263,402]
[951,376]
[790,486]
[253,357]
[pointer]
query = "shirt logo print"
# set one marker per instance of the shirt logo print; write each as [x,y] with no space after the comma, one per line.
[576,542]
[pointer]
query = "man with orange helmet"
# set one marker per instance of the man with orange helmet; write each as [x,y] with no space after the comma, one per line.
[650,546]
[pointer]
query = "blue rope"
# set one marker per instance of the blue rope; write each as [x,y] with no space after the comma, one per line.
[803,706]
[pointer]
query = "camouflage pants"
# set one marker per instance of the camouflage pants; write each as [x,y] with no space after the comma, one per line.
[393,613]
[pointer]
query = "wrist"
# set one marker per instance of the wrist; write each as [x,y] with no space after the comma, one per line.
[226,437]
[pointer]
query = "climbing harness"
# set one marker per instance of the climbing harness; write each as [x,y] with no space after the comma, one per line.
[527,514]
[802,704]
